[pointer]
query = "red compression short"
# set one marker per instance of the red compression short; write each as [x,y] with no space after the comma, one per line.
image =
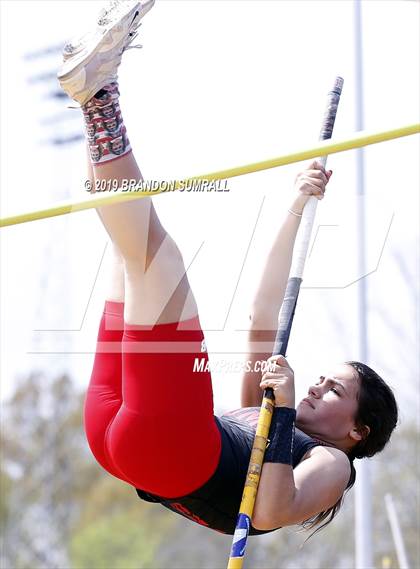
[148,416]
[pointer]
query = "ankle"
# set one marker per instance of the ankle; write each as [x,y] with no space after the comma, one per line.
[106,132]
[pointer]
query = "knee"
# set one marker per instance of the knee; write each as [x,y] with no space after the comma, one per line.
[159,248]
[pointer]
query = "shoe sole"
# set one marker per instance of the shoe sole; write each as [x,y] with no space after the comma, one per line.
[85,58]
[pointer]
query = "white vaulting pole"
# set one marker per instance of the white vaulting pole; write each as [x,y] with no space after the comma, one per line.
[363,488]
[396,533]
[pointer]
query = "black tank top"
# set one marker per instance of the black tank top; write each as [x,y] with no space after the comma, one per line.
[216,504]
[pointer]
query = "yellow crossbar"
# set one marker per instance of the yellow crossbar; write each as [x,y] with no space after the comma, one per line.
[360,139]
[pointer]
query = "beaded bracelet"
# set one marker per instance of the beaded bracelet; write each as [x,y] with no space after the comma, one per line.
[281,435]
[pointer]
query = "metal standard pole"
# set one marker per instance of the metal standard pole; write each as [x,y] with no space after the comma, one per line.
[363,505]
[396,533]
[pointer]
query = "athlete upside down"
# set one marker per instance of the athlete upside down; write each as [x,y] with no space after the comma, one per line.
[144,395]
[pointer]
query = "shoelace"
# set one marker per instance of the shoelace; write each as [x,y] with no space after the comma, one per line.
[132,34]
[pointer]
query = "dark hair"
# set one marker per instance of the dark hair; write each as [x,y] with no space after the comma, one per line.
[377,410]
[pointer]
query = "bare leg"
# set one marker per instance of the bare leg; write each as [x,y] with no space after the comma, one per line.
[115,290]
[115,287]
[104,395]
[156,285]
[142,440]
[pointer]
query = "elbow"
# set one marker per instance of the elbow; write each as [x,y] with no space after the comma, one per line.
[271,516]
[261,523]
[266,520]
[265,523]
[262,326]
[261,316]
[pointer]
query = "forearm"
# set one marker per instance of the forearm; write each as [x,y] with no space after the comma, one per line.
[271,288]
[277,490]
[251,393]
[275,496]
[268,300]
[272,285]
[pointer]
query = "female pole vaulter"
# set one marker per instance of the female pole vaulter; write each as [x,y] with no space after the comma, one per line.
[148,416]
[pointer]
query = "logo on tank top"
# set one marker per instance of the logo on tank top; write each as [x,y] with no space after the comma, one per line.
[184,511]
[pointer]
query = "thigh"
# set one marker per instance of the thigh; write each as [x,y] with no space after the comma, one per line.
[165,438]
[104,395]
[159,292]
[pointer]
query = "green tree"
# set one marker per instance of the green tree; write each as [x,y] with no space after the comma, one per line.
[58,506]
[44,456]
[117,541]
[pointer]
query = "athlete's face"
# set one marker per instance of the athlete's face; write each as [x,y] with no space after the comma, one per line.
[328,412]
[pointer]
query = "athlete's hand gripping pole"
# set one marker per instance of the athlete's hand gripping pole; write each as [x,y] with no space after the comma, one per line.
[284,327]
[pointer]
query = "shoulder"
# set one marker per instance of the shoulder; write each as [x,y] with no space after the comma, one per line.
[329,453]
[332,459]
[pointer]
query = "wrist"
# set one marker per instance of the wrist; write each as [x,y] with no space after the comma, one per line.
[285,405]
[298,204]
[286,400]
[281,436]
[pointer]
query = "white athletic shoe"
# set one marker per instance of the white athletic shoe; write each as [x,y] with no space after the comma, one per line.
[91,61]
